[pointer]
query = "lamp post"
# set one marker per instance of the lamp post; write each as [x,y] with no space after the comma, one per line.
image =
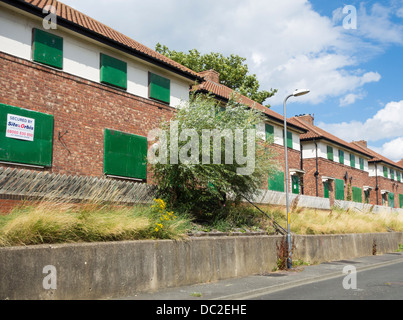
[296,93]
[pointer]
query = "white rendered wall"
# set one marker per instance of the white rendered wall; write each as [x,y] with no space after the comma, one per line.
[81,56]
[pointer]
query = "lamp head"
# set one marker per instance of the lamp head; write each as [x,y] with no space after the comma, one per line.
[300,92]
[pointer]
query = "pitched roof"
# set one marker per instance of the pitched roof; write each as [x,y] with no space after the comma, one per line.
[73,19]
[315,132]
[226,93]
[376,157]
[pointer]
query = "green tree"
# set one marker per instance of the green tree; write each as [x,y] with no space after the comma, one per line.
[197,185]
[233,70]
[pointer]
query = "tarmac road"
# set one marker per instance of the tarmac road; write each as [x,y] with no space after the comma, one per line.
[373,277]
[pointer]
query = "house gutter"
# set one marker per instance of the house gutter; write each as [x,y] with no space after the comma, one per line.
[317,168]
[27,7]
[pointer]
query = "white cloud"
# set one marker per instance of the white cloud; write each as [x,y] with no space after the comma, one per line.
[378,25]
[351,98]
[392,150]
[287,44]
[385,124]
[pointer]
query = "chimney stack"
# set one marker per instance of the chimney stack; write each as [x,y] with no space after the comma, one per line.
[211,75]
[362,143]
[307,118]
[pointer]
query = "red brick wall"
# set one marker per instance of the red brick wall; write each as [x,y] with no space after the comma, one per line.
[81,107]
[385,184]
[294,160]
[335,170]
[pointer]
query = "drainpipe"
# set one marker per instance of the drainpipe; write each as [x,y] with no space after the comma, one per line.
[376,187]
[317,168]
[302,168]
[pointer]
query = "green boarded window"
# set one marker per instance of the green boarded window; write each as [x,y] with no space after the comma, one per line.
[26,136]
[352,160]
[401,200]
[326,194]
[357,194]
[269,129]
[113,71]
[392,174]
[159,88]
[339,186]
[361,163]
[385,172]
[276,182]
[391,200]
[398,176]
[295,184]
[125,155]
[367,195]
[47,48]
[329,153]
[289,139]
[341,156]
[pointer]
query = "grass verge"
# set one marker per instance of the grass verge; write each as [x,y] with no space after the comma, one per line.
[52,222]
[65,223]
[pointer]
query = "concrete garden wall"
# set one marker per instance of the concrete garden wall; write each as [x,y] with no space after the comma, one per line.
[118,269]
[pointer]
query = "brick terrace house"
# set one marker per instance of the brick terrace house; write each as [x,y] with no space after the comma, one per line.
[387,178]
[92,93]
[80,99]
[340,170]
[273,126]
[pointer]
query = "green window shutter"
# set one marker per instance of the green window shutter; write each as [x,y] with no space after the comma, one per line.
[159,88]
[329,153]
[295,184]
[352,160]
[37,151]
[47,48]
[341,156]
[276,183]
[401,200]
[392,174]
[269,131]
[361,163]
[357,194]
[113,71]
[339,192]
[385,172]
[326,194]
[289,139]
[125,155]
[391,200]
[398,176]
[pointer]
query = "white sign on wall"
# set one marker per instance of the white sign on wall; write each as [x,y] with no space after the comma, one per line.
[19,127]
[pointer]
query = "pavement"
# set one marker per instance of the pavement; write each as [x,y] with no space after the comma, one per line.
[254,286]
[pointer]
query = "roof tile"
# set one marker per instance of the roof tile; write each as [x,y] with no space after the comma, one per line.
[225,92]
[76,17]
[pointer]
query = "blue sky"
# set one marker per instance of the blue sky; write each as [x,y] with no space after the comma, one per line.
[354,74]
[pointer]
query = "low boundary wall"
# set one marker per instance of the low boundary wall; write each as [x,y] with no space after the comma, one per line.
[118,269]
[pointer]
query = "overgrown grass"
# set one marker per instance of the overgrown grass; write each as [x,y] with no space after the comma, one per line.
[62,222]
[66,223]
[337,221]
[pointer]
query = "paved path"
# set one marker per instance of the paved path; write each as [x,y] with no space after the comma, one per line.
[255,286]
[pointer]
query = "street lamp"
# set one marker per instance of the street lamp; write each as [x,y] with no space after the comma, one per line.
[296,93]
